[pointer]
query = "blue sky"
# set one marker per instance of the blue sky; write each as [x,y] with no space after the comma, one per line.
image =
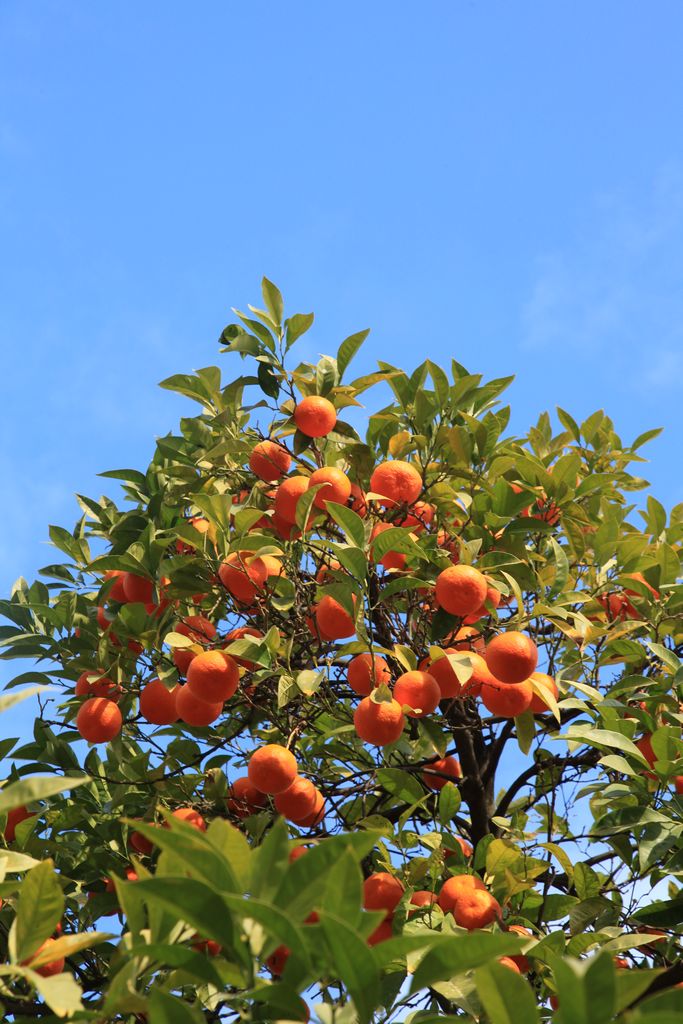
[498,182]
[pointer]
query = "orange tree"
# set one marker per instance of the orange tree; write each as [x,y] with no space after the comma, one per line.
[377,726]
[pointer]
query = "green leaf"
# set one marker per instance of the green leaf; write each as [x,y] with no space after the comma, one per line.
[661,913]
[505,995]
[401,785]
[353,963]
[586,989]
[350,522]
[449,802]
[167,1009]
[275,922]
[462,953]
[61,992]
[201,858]
[586,882]
[296,326]
[273,300]
[344,889]
[199,905]
[39,910]
[348,349]
[8,700]
[525,728]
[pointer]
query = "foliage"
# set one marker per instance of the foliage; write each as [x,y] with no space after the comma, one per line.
[569,820]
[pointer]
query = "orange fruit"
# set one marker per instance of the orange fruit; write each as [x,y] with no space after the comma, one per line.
[382,891]
[138,589]
[538,705]
[678,784]
[243,574]
[444,673]
[366,671]
[99,720]
[277,961]
[468,639]
[141,844]
[316,815]
[476,909]
[315,416]
[296,852]
[507,700]
[272,769]
[511,962]
[398,482]
[298,801]
[419,692]
[157,704]
[455,888]
[245,798]
[116,592]
[336,486]
[422,898]
[14,817]
[461,589]
[213,676]
[382,932]
[644,745]
[287,498]
[325,572]
[640,579]
[269,461]
[49,969]
[378,723]
[511,657]
[194,711]
[493,597]
[95,683]
[332,620]
[190,817]
[465,847]
[358,501]
[182,658]
[419,516]
[196,628]
[434,772]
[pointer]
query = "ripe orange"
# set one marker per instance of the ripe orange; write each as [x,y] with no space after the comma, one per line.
[469,639]
[193,711]
[419,692]
[277,961]
[520,961]
[398,482]
[510,961]
[366,671]
[434,772]
[315,416]
[382,932]
[245,798]
[455,888]
[678,784]
[287,498]
[358,501]
[296,852]
[190,817]
[336,486]
[476,909]
[512,657]
[419,516]
[644,745]
[196,628]
[116,592]
[272,769]
[333,621]
[14,817]
[269,461]
[461,589]
[379,724]
[422,898]
[52,967]
[638,576]
[465,847]
[382,891]
[157,704]
[298,801]
[243,574]
[481,675]
[99,720]
[444,673]
[538,705]
[213,676]
[141,844]
[493,597]
[138,589]
[182,658]
[317,814]
[95,683]
[507,700]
